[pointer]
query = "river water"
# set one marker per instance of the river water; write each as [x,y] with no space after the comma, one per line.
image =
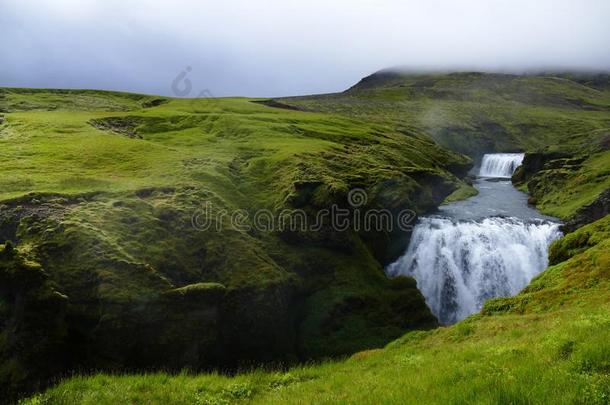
[487,246]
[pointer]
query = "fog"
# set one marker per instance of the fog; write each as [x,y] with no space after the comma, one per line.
[283,47]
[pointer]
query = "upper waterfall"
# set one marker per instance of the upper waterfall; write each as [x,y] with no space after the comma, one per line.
[501,165]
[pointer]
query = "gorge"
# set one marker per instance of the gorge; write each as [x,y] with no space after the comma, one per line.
[488,246]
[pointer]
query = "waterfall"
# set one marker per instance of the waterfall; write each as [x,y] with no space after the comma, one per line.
[501,165]
[460,265]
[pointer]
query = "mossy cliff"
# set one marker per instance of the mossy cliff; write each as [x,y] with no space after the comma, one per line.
[109,194]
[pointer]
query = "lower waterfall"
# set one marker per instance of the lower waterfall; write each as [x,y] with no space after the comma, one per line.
[490,245]
[460,265]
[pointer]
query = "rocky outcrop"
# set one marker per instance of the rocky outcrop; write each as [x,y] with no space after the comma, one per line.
[120,125]
[589,213]
[579,241]
[155,102]
[3,102]
[553,179]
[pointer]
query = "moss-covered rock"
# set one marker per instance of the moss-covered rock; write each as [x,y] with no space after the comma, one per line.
[533,162]
[577,242]
[589,213]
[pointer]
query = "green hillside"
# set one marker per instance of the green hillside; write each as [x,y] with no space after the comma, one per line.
[101,195]
[109,275]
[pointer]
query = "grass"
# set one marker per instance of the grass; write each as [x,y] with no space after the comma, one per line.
[562,191]
[61,152]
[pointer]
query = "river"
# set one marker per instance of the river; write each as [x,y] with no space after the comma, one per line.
[490,245]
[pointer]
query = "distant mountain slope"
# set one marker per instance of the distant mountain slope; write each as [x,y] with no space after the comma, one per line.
[474,113]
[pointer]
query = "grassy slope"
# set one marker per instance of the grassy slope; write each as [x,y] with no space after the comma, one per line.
[100,189]
[549,344]
[49,146]
[461,193]
[564,190]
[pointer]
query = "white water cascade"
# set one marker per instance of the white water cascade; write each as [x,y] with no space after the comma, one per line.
[500,165]
[460,265]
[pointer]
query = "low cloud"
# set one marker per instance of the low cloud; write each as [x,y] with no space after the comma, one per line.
[272,48]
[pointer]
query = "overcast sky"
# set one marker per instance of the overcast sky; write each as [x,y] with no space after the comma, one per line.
[284,47]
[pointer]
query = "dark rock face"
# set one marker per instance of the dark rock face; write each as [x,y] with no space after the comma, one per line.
[155,102]
[277,104]
[3,106]
[590,213]
[120,125]
[33,324]
[386,245]
[534,162]
[543,172]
